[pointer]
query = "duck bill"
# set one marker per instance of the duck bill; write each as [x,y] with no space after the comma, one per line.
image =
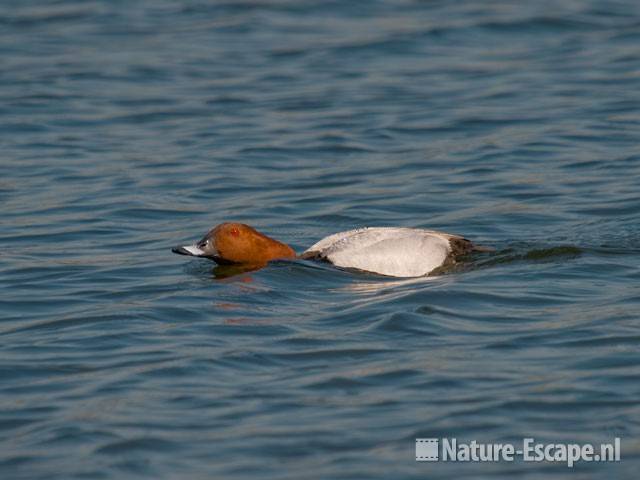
[191,250]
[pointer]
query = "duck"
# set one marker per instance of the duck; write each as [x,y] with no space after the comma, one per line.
[388,251]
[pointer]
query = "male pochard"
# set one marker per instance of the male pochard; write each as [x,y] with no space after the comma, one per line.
[391,251]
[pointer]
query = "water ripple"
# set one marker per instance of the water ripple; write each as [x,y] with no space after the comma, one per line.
[129,128]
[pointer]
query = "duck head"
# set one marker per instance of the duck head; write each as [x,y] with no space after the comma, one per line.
[237,243]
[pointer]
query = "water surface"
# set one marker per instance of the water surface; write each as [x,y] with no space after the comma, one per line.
[130,127]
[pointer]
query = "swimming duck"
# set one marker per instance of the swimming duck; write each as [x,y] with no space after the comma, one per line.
[391,251]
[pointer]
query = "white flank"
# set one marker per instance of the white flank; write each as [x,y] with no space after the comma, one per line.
[397,252]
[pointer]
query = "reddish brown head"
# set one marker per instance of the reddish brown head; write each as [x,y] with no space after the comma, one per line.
[237,243]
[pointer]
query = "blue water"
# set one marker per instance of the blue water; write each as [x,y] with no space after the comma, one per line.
[129,127]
